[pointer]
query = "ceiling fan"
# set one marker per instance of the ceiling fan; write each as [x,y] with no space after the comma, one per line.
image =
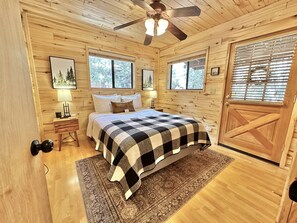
[157,21]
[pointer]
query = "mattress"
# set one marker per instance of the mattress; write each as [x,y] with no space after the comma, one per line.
[134,143]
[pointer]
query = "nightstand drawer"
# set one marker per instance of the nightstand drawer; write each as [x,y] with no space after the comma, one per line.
[66,126]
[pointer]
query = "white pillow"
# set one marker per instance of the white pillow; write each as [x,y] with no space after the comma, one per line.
[136,100]
[102,103]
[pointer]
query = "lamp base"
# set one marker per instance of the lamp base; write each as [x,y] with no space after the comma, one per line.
[66,110]
[152,104]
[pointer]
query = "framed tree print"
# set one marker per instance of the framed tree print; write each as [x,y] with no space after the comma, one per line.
[63,73]
[215,71]
[147,80]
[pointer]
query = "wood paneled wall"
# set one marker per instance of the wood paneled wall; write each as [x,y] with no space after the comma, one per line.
[292,148]
[206,106]
[52,37]
[56,37]
[287,209]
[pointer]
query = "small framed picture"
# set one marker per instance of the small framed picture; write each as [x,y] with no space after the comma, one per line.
[215,71]
[63,73]
[147,80]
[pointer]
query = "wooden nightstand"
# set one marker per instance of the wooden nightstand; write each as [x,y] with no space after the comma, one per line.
[159,109]
[66,125]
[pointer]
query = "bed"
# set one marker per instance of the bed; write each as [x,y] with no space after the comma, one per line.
[139,143]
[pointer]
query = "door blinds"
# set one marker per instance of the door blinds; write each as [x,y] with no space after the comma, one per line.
[261,70]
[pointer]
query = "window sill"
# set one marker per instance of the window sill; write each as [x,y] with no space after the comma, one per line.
[184,90]
[276,104]
[113,89]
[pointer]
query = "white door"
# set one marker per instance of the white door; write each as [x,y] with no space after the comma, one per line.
[23,190]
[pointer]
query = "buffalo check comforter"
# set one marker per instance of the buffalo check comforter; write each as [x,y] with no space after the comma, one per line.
[135,145]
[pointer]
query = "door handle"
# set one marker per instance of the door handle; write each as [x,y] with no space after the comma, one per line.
[46,146]
[227,104]
[293,191]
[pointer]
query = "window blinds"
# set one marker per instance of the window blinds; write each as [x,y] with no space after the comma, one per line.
[261,70]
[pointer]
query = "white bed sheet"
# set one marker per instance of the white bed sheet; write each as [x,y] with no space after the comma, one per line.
[97,120]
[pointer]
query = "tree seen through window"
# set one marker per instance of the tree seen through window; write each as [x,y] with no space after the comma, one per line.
[109,73]
[188,75]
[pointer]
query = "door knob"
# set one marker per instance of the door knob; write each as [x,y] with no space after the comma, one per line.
[293,191]
[46,146]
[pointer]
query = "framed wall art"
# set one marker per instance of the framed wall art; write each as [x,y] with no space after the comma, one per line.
[215,71]
[147,80]
[63,73]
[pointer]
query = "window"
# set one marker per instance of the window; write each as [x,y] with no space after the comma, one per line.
[188,75]
[110,73]
[261,70]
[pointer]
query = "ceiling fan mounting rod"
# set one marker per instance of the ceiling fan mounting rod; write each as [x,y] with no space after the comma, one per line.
[158,7]
[157,17]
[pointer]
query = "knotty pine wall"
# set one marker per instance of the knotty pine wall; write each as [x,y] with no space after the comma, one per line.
[206,106]
[50,37]
[54,37]
[292,147]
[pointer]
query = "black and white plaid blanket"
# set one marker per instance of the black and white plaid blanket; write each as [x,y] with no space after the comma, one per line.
[137,145]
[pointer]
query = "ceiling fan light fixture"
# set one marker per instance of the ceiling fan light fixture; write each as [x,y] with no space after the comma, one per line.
[149,32]
[160,31]
[163,24]
[150,25]
[157,20]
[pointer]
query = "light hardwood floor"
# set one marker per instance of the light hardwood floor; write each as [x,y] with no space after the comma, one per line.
[248,190]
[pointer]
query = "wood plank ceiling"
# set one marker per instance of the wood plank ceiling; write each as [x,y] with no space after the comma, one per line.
[105,14]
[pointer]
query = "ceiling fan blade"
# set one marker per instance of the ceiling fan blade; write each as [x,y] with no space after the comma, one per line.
[143,5]
[128,24]
[176,32]
[148,40]
[184,12]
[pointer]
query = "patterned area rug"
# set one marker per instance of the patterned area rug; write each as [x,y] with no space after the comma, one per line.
[160,195]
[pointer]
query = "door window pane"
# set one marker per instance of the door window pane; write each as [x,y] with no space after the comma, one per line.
[261,70]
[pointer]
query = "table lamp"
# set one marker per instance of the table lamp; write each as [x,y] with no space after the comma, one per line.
[153,95]
[65,96]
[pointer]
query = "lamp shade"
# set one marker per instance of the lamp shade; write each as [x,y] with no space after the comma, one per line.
[160,31]
[153,94]
[64,95]
[150,25]
[162,26]
[163,23]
